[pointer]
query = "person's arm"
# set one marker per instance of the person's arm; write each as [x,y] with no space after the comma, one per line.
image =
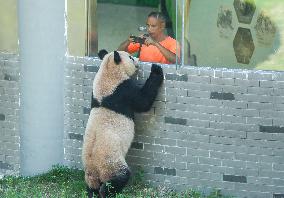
[170,56]
[123,46]
[141,99]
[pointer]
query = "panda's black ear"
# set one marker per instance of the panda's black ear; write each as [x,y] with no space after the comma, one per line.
[102,53]
[116,57]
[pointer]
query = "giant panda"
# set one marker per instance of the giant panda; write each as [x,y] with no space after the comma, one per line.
[110,127]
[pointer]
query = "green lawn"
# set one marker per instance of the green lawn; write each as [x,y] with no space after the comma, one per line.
[67,183]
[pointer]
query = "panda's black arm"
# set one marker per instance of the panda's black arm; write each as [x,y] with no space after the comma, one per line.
[94,102]
[143,99]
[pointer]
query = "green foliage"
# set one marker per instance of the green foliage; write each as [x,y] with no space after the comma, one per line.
[147,3]
[63,182]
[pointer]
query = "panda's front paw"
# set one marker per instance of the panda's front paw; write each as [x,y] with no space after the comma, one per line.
[157,69]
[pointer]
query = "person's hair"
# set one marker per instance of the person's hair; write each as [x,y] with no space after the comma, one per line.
[158,15]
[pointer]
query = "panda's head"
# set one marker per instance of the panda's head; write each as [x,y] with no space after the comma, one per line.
[119,61]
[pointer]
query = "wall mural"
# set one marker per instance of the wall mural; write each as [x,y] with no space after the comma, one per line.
[247,34]
[224,22]
[245,10]
[243,42]
[243,45]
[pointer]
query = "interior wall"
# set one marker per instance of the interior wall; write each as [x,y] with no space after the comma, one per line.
[208,128]
[116,22]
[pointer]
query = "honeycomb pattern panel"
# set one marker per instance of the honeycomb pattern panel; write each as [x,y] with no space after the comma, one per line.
[243,45]
[245,10]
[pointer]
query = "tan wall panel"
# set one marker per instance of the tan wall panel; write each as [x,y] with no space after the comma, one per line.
[9,26]
[76,27]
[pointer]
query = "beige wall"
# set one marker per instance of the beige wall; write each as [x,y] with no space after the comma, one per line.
[76,27]
[9,26]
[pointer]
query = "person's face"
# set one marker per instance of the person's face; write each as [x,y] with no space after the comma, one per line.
[155,27]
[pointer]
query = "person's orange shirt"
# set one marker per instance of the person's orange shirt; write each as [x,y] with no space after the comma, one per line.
[152,54]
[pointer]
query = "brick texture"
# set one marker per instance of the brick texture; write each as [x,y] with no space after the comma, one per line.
[9,114]
[209,128]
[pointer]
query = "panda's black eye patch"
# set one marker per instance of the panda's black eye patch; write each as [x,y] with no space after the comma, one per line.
[131,58]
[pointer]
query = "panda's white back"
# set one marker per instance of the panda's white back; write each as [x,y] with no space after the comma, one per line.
[113,132]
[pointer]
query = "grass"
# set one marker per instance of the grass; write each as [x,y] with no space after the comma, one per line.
[67,183]
[59,182]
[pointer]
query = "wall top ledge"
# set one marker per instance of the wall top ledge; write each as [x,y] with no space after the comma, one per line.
[194,70]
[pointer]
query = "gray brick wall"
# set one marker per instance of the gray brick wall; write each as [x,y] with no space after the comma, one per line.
[79,75]
[9,114]
[209,128]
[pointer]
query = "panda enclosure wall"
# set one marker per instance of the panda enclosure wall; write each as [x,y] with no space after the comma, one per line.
[209,128]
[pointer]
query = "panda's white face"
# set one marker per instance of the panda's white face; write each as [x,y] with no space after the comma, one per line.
[128,64]
[115,68]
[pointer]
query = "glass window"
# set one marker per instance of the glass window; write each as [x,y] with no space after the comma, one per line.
[245,34]
[117,20]
[108,23]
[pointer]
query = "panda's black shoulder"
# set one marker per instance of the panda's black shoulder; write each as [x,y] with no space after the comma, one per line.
[127,86]
[120,100]
[126,89]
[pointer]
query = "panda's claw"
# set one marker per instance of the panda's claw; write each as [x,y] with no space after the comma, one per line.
[91,192]
[157,69]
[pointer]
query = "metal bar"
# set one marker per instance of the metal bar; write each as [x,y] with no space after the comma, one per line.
[182,34]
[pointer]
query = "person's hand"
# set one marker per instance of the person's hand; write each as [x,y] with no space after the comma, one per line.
[149,41]
[137,39]
[130,39]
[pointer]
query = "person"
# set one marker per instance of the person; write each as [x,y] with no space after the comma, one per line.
[156,46]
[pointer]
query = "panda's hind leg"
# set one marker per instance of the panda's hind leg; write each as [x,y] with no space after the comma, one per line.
[92,192]
[115,184]
[93,183]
